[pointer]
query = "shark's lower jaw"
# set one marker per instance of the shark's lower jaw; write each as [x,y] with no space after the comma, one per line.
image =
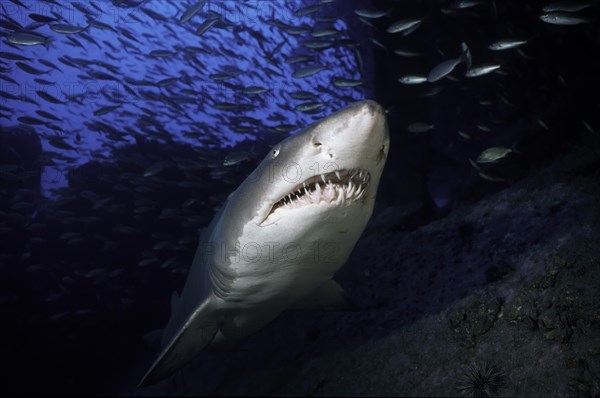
[337,187]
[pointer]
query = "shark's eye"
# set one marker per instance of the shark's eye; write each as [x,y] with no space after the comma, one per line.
[275,152]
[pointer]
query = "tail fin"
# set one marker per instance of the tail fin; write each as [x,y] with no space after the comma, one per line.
[466,55]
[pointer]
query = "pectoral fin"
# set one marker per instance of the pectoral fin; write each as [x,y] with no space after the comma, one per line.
[329,296]
[195,334]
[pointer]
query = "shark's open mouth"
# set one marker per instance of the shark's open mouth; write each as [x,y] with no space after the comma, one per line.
[335,187]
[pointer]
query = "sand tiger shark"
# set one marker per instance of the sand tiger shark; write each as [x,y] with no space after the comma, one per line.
[280,237]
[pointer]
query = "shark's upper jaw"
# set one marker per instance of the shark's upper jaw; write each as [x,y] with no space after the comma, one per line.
[336,187]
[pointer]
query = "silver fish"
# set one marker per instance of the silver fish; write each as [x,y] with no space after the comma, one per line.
[28,39]
[254,90]
[67,29]
[236,157]
[105,109]
[307,71]
[370,13]
[310,106]
[346,82]
[462,4]
[13,56]
[493,154]
[569,6]
[30,69]
[298,58]
[420,127]
[407,53]
[206,25]
[482,69]
[412,79]
[403,25]
[191,11]
[506,44]
[443,69]
[563,18]
[161,53]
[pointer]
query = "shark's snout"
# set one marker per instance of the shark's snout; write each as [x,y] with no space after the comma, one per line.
[378,117]
[371,107]
[378,131]
[368,121]
[361,124]
[370,126]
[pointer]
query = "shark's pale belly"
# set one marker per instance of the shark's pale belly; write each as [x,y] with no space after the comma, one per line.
[253,304]
[278,272]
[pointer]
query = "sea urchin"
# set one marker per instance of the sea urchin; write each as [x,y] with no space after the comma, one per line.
[481,380]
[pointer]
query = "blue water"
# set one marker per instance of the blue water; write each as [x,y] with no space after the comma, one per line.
[240,44]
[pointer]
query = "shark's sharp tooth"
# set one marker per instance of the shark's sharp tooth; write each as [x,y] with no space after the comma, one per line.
[317,193]
[350,189]
[337,174]
[358,191]
[323,179]
[340,199]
